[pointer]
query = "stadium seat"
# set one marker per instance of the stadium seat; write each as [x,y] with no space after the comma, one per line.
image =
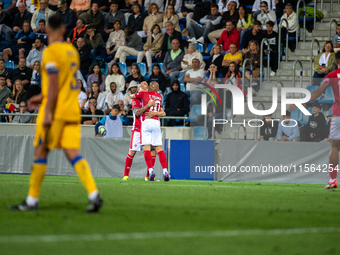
[181,26]
[194,112]
[182,87]
[330,112]
[131,58]
[199,133]
[105,70]
[328,98]
[123,68]
[9,64]
[142,67]
[311,89]
[297,115]
[210,46]
[200,47]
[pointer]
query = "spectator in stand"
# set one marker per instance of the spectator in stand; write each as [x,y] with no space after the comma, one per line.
[41,33]
[223,5]
[132,89]
[5,24]
[158,77]
[232,56]
[43,13]
[170,15]
[215,58]
[292,19]
[115,75]
[230,15]
[323,63]
[176,5]
[186,63]
[132,47]
[36,53]
[209,22]
[266,15]
[273,39]
[254,34]
[94,18]
[269,128]
[5,92]
[336,38]
[136,20]
[95,40]
[18,22]
[84,54]
[253,53]
[9,6]
[104,5]
[18,94]
[82,97]
[22,110]
[97,76]
[78,32]
[187,9]
[280,6]
[3,69]
[228,36]
[213,75]
[234,76]
[80,6]
[159,3]
[245,20]
[68,15]
[316,129]
[154,17]
[113,96]
[152,46]
[170,34]
[22,73]
[122,113]
[22,43]
[177,103]
[35,87]
[112,123]
[53,4]
[289,131]
[91,109]
[257,7]
[98,95]
[135,76]
[193,78]
[110,18]
[172,61]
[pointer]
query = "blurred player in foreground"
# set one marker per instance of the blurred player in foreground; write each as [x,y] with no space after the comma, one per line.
[331,79]
[151,129]
[59,117]
[135,143]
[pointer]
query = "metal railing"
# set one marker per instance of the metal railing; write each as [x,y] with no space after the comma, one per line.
[301,73]
[243,73]
[315,6]
[257,116]
[225,102]
[311,58]
[330,28]
[265,40]
[279,48]
[206,121]
[244,131]
[304,21]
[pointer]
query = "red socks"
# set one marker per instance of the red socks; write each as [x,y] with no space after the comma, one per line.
[128,163]
[333,172]
[162,159]
[148,159]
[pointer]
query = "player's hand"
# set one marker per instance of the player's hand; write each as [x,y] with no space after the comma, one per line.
[47,122]
[151,103]
[292,107]
[132,96]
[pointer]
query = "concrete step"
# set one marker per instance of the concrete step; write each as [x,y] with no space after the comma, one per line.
[284,72]
[321,39]
[325,25]
[299,52]
[323,33]
[289,65]
[292,57]
[307,45]
[335,14]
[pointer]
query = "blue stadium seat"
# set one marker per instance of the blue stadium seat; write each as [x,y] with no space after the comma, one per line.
[142,67]
[131,58]
[330,112]
[9,64]
[105,70]
[182,87]
[328,98]
[210,46]
[311,89]
[194,112]
[181,26]
[199,133]
[297,115]
[200,47]
[123,68]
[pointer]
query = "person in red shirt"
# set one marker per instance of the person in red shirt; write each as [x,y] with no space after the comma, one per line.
[228,36]
[332,79]
[151,129]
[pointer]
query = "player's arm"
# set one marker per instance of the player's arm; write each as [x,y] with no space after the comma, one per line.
[34,101]
[52,95]
[161,113]
[139,111]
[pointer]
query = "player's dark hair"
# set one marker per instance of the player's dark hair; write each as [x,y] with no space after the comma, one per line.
[270,23]
[117,65]
[116,106]
[55,22]
[100,74]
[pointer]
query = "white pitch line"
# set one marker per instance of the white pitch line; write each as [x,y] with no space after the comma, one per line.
[148,235]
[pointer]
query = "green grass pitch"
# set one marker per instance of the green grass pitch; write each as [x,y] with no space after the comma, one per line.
[178,217]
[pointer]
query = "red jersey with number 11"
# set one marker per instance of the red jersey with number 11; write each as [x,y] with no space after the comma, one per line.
[333,79]
[152,95]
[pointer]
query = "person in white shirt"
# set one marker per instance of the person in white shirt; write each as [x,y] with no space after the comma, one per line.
[36,53]
[193,78]
[112,97]
[293,24]
[223,5]
[265,16]
[82,97]
[257,7]
[98,95]
[115,75]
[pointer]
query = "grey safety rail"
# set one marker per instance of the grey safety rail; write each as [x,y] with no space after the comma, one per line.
[206,120]
[244,131]
[304,21]
[311,58]
[243,73]
[301,73]
[257,116]
[315,6]
[330,28]
[265,40]
[225,102]
[94,116]
[279,48]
